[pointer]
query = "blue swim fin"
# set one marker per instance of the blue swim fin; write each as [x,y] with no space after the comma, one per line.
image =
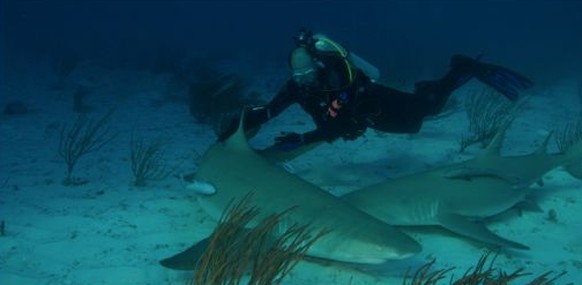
[505,81]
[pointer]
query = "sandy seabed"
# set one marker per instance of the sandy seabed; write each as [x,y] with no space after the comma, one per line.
[109,232]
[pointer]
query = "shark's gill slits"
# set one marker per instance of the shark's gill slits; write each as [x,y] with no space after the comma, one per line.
[425,211]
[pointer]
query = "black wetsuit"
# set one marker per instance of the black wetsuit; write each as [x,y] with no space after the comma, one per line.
[340,109]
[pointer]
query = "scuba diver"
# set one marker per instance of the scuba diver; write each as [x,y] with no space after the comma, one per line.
[339,91]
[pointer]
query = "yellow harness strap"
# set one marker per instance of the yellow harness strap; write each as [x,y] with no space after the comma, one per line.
[344,54]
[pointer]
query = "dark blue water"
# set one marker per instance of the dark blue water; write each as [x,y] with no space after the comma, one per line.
[543,37]
[61,58]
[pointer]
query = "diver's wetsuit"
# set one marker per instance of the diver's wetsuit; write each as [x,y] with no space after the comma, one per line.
[345,108]
[341,109]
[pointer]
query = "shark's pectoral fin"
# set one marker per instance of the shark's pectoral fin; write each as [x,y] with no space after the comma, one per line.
[529,205]
[186,260]
[476,231]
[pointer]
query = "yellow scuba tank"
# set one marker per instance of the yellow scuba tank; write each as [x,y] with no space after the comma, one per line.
[325,44]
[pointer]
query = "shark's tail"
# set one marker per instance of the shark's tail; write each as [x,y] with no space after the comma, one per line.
[569,140]
[573,157]
[574,169]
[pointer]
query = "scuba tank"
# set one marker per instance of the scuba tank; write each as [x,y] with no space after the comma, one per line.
[370,70]
[325,44]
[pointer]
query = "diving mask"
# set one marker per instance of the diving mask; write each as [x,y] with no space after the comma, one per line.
[307,76]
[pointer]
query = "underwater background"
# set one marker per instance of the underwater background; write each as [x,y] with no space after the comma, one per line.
[542,37]
[136,64]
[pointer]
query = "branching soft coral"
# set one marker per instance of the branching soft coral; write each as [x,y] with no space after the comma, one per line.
[487,114]
[269,257]
[146,161]
[483,273]
[83,137]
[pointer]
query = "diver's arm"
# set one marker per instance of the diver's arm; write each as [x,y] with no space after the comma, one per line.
[257,116]
[349,130]
[318,135]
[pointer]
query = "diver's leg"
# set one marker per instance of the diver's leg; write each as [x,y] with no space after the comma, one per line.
[389,110]
[463,68]
[436,93]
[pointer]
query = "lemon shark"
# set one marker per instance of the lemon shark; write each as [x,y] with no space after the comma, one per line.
[231,170]
[456,197]
[459,196]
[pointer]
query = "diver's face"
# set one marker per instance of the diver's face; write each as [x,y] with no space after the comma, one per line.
[306,77]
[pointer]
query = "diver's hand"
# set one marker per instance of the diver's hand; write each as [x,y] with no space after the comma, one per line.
[288,141]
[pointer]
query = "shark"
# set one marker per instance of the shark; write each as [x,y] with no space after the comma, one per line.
[457,197]
[231,169]
[460,196]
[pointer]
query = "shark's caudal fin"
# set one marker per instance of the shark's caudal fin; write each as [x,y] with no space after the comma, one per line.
[574,169]
[574,160]
[476,231]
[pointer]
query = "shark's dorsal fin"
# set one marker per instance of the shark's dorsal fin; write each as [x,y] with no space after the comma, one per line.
[239,139]
[544,146]
[494,147]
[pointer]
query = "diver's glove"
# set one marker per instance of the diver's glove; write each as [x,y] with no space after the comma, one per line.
[289,141]
[505,81]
